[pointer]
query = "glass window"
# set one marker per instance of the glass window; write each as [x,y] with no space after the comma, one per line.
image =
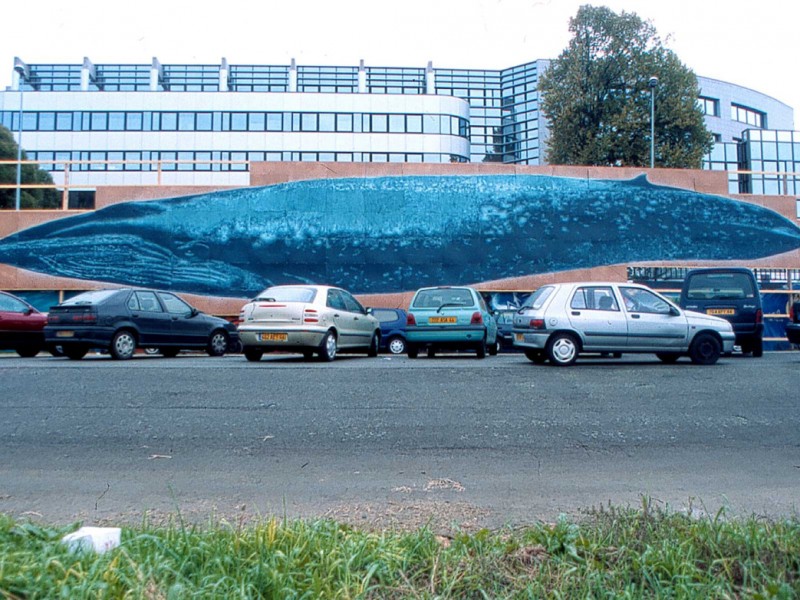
[148,302]
[309,122]
[99,121]
[397,123]
[327,122]
[380,124]
[335,300]
[63,121]
[116,121]
[186,121]
[287,294]
[204,121]
[11,304]
[352,304]
[47,121]
[257,121]
[594,298]
[643,301]
[133,121]
[238,121]
[274,121]
[344,122]
[538,298]
[174,304]
[414,123]
[169,121]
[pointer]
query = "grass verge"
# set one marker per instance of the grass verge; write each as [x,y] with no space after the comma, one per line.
[611,553]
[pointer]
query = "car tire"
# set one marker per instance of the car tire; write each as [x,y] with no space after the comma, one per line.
[217,343]
[758,348]
[151,351]
[536,356]
[705,349]
[668,357]
[562,349]
[412,351]
[55,350]
[396,345]
[374,345]
[494,348]
[28,351]
[431,352]
[252,353]
[327,351]
[74,352]
[169,352]
[123,345]
[308,354]
[480,351]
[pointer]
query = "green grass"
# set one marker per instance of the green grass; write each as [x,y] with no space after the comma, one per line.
[610,553]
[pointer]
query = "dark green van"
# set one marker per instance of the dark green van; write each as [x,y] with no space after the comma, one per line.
[731,293]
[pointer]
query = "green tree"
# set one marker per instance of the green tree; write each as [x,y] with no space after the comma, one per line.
[596,97]
[31,174]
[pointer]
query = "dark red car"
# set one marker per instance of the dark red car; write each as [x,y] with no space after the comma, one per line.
[21,326]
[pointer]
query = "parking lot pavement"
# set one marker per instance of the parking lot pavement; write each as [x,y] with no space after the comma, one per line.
[472,442]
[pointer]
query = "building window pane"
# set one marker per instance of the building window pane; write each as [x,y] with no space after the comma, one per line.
[397,123]
[309,122]
[47,121]
[133,121]
[327,122]
[204,121]
[380,124]
[414,123]
[274,121]
[116,121]
[169,121]
[186,121]
[63,121]
[238,121]
[257,121]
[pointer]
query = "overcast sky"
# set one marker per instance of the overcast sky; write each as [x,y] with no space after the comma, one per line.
[753,44]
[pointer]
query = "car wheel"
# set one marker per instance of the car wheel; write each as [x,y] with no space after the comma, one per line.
[168,352]
[562,349]
[705,349]
[123,345]
[252,354]
[28,351]
[536,356]
[668,357]
[397,345]
[480,351]
[758,348]
[328,350]
[55,350]
[308,354]
[413,351]
[74,352]
[217,343]
[431,352]
[150,351]
[374,345]
[494,348]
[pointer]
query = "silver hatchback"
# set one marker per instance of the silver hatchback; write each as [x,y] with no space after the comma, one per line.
[308,319]
[560,321]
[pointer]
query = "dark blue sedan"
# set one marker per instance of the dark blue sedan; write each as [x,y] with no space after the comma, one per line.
[119,321]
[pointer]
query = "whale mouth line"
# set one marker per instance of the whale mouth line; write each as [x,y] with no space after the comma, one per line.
[393,234]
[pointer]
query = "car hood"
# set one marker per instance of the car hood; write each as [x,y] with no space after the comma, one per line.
[704,320]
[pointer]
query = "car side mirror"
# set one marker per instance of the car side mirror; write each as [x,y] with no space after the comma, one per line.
[28,312]
[369,310]
[674,312]
[194,312]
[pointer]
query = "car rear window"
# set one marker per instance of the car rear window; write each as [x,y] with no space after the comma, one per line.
[435,298]
[383,315]
[89,298]
[288,294]
[720,286]
[538,298]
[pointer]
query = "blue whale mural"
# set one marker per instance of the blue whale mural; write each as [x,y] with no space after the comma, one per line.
[389,234]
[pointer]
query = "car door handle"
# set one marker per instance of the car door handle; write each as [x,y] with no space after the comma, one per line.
[135,315]
[634,316]
[175,318]
[355,318]
[576,313]
[336,315]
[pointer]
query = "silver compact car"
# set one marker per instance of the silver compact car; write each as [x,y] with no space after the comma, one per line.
[560,321]
[307,319]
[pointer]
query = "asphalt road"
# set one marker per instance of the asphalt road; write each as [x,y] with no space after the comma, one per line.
[451,441]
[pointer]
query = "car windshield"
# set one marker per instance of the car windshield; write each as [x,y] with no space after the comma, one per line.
[720,286]
[89,298]
[436,298]
[287,294]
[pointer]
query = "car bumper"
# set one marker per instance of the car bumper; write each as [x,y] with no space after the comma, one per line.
[728,341]
[94,337]
[450,335]
[793,333]
[530,339]
[296,339]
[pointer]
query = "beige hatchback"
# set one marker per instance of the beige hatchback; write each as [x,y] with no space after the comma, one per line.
[307,319]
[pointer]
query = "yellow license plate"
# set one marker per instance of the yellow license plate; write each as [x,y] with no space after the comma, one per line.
[273,337]
[65,333]
[442,320]
[720,311]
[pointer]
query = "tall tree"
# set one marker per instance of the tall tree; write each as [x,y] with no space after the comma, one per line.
[596,97]
[30,174]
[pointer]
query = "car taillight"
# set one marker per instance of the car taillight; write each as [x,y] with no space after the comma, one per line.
[477,319]
[410,320]
[537,324]
[53,318]
[86,318]
[310,315]
[759,316]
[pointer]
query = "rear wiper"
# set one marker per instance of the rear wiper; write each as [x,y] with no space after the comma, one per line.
[448,304]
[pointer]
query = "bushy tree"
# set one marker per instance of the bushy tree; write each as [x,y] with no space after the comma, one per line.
[31,174]
[596,97]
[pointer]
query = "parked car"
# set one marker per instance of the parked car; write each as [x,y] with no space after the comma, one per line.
[120,321]
[449,318]
[505,326]
[393,329]
[793,327]
[731,293]
[561,321]
[308,319]
[21,326]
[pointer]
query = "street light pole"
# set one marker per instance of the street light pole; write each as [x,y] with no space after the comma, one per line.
[652,84]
